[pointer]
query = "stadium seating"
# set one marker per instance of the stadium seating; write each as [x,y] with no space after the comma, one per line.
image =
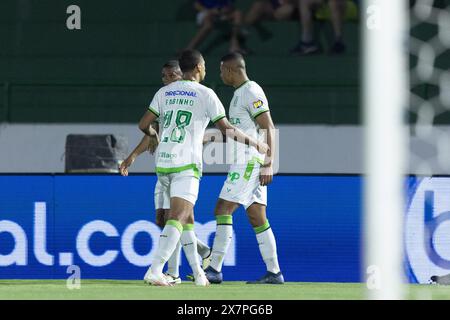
[108,70]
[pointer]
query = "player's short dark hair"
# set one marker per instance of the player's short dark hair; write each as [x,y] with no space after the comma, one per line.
[172,64]
[189,59]
[234,56]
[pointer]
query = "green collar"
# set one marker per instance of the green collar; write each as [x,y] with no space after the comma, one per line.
[242,84]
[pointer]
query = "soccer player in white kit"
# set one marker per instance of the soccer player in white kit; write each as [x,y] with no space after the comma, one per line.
[247,180]
[170,72]
[186,108]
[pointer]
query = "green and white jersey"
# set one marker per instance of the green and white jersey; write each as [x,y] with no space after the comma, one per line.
[185,109]
[249,101]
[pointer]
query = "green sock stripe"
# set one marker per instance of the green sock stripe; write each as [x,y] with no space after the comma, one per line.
[188,227]
[224,219]
[175,224]
[262,228]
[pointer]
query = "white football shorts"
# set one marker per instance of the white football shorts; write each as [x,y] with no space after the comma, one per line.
[182,184]
[161,201]
[242,185]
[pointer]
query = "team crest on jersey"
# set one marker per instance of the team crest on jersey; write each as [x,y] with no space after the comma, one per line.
[233,176]
[235,100]
[258,104]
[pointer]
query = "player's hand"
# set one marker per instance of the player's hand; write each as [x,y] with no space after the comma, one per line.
[123,168]
[265,175]
[263,147]
[153,144]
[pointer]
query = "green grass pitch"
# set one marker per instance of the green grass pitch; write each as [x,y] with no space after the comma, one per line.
[232,290]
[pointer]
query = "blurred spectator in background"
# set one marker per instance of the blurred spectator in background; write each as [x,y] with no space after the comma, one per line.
[269,10]
[335,10]
[211,12]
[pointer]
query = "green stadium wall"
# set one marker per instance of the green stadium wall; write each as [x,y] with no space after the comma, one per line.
[108,71]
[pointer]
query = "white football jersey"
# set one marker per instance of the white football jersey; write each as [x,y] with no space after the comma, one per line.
[249,101]
[185,109]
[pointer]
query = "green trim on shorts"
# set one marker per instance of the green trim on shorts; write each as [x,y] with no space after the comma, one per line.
[249,169]
[225,219]
[188,227]
[153,111]
[192,166]
[176,224]
[262,228]
[250,166]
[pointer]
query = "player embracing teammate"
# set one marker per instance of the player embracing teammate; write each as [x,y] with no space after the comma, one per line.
[249,174]
[170,72]
[185,107]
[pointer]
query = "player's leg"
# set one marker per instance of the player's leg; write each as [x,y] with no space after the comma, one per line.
[224,231]
[241,183]
[184,192]
[162,206]
[159,217]
[267,244]
[169,238]
[161,197]
[224,234]
[203,249]
[189,243]
[173,264]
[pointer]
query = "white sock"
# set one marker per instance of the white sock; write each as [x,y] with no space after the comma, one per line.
[268,247]
[173,264]
[203,250]
[168,240]
[222,240]
[189,242]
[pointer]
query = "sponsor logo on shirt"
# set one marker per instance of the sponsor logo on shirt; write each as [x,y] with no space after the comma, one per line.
[235,100]
[181,93]
[166,155]
[234,121]
[258,104]
[233,176]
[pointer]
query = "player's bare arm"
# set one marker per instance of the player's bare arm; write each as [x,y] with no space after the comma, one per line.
[154,139]
[213,135]
[234,133]
[145,124]
[147,143]
[140,148]
[265,123]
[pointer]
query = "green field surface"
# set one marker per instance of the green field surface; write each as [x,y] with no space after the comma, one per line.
[137,290]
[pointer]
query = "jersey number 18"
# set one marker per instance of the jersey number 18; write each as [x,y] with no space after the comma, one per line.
[182,120]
